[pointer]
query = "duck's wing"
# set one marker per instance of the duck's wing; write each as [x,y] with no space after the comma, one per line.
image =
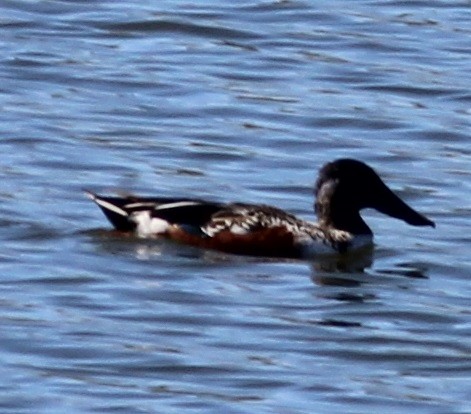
[236,228]
[127,213]
[241,219]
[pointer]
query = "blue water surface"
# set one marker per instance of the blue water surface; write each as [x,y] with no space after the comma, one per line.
[232,101]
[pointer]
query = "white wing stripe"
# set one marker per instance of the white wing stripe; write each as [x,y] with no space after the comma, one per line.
[109,206]
[177,204]
[134,205]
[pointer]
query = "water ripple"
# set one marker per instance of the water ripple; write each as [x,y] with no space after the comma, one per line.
[239,102]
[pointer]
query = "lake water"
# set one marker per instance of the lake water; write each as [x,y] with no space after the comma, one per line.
[232,100]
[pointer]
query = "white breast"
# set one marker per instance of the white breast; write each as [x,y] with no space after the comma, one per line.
[313,247]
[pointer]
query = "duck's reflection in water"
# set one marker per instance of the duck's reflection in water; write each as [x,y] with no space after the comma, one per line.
[346,270]
[350,270]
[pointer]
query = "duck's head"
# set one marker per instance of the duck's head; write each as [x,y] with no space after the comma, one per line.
[346,186]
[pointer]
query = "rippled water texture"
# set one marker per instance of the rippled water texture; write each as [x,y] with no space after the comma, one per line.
[240,100]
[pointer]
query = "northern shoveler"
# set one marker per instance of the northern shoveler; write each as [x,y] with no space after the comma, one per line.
[343,188]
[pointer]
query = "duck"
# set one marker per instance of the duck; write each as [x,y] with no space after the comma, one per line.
[344,188]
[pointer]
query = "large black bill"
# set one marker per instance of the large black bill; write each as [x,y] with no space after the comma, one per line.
[390,204]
